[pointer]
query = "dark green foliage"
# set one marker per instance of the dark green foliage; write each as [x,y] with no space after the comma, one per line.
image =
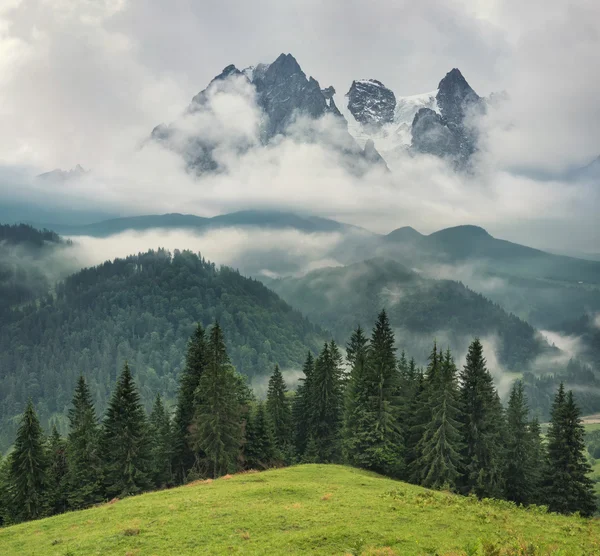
[326,405]
[337,298]
[414,425]
[422,417]
[84,477]
[568,489]
[28,469]
[301,406]
[356,420]
[142,309]
[184,457]
[26,264]
[278,408]
[57,487]
[378,443]
[217,423]
[5,494]
[260,451]
[439,449]
[161,441]
[125,443]
[522,450]
[482,425]
[537,461]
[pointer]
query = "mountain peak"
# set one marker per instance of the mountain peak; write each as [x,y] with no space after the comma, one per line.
[285,65]
[454,95]
[464,232]
[371,103]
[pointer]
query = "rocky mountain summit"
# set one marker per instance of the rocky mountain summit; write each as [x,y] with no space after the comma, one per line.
[283,94]
[436,123]
[375,127]
[371,103]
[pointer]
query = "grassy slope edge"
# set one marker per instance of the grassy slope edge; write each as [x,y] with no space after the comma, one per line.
[317,509]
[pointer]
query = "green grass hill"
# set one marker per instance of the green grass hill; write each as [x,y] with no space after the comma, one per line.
[308,509]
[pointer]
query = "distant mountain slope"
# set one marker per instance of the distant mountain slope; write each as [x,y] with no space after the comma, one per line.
[419,308]
[142,309]
[247,218]
[543,288]
[464,243]
[27,263]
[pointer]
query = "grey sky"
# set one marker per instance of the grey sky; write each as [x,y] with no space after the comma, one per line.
[85,81]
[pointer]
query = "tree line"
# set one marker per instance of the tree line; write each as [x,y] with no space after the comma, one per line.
[437,427]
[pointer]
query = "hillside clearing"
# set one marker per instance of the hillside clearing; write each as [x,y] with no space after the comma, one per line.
[317,509]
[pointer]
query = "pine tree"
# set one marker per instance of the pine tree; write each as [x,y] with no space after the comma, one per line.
[440,459]
[260,450]
[125,443]
[520,473]
[5,494]
[414,424]
[278,408]
[568,488]
[301,407]
[28,469]
[378,432]
[184,457]
[537,461]
[161,444]
[482,419]
[356,430]
[84,476]
[422,416]
[326,405]
[56,487]
[217,424]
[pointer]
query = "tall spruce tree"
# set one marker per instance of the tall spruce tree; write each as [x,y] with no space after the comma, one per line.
[538,461]
[301,407]
[383,449]
[440,446]
[423,416]
[28,469]
[326,406]
[5,494]
[84,475]
[125,442]
[217,423]
[57,487]
[357,423]
[279,410]
[260,450]
[520,472]
[414,424]
[184,457]
[568,488]
[482,421]
[161,441]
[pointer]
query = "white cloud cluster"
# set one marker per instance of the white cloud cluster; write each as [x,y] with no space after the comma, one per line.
[86,82]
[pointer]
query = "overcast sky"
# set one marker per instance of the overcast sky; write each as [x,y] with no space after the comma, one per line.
[85,81]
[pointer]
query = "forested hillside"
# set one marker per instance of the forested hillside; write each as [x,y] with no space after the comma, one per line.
[24,261]
[419,309]
[141,309]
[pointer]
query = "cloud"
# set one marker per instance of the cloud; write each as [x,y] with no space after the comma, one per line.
[253,251]
[87,82]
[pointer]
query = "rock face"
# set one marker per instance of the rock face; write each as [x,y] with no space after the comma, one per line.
[450,133]
[431,135]
[283,93]
[372,156]
[455,97]
[371,103]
